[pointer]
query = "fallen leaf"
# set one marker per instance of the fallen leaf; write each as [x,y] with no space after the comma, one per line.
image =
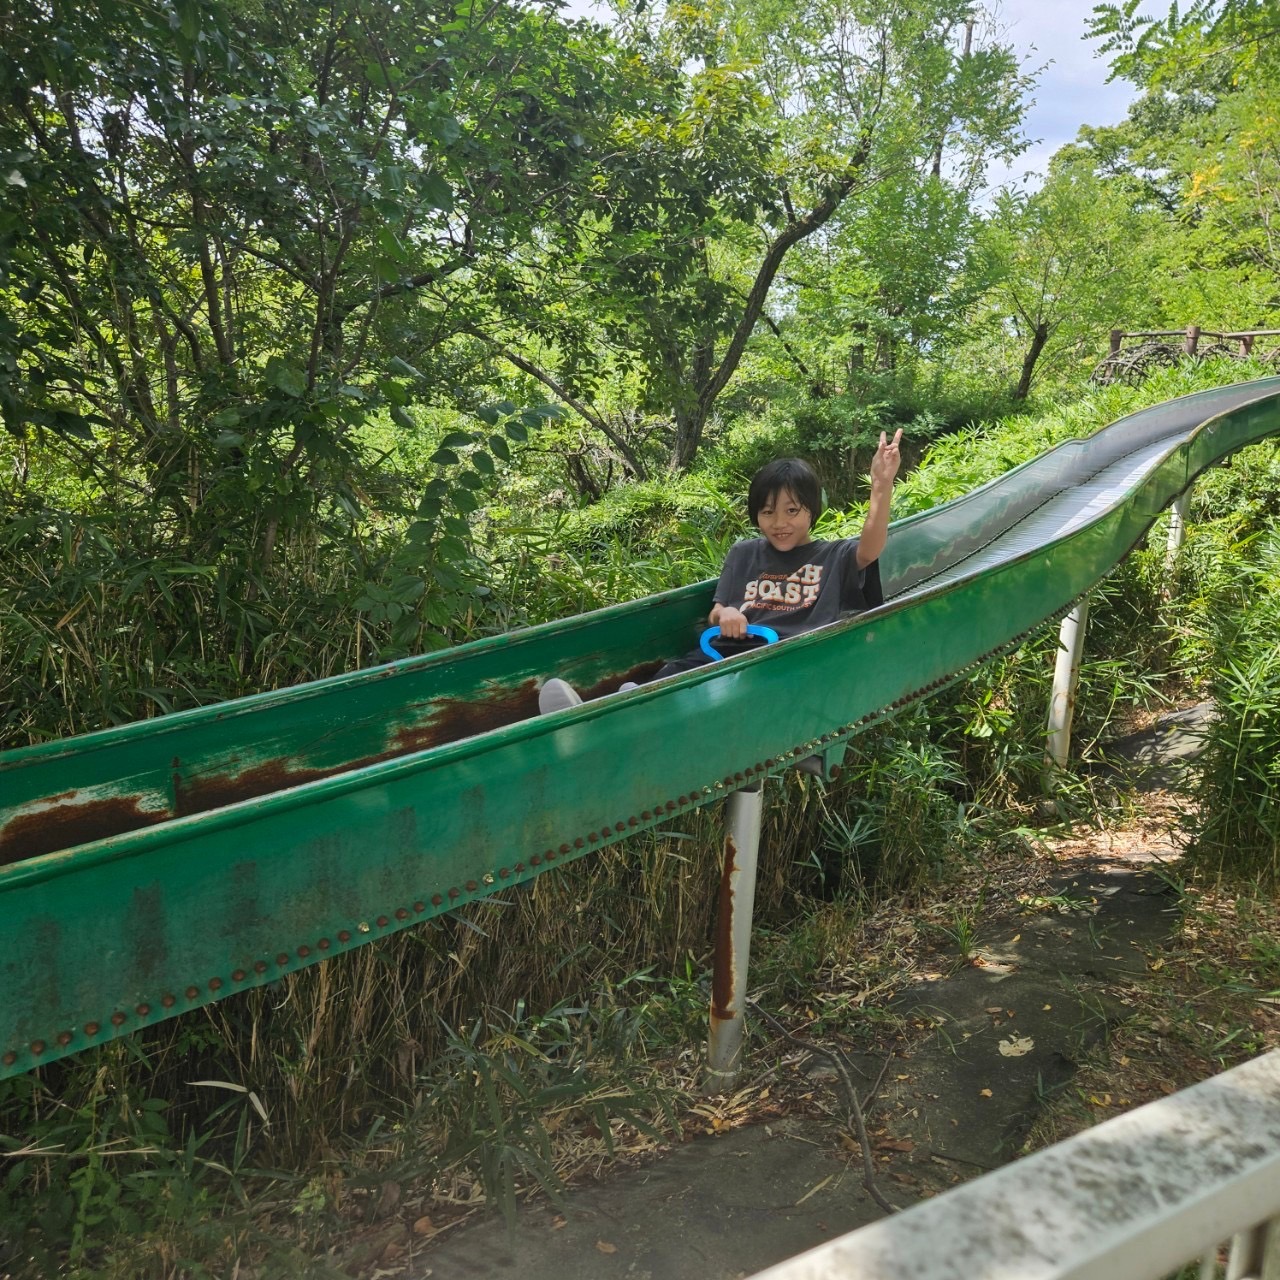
[896,1144]
[1017,937]
[605,1247]
[1016,1046]
[1047,1008]
[424,1227]
[559,1221]
[986,1093]
[1156,965]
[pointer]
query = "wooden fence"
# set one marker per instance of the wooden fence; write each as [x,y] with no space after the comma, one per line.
[1191,336]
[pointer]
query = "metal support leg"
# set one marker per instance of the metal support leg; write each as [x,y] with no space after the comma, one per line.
[1177,528]
[1066,675]
[733,937]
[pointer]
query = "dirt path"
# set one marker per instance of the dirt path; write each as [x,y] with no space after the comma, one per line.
[956,1070]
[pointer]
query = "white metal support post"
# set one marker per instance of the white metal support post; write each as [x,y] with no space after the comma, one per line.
[1066,676]
[733,937]
[1177,527]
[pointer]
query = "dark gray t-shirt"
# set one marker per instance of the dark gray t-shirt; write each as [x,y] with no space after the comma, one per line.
[800,589]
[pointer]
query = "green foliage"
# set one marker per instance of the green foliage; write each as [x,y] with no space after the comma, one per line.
[1237,831]
[903,811]
[753,137]
[253,217]
[1233,508]
[1069,262]
[1199,146]
[114,611]
[1149,50]
[109,1188]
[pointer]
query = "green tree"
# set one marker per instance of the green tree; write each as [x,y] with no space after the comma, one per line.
[238,241]
[1071,265]
[771,119]
[233,235]
[1201,143]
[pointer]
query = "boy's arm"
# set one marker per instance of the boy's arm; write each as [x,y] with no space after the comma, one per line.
[731,621]
[875,529]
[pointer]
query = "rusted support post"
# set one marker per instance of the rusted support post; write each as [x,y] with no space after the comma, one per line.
[1246,344]
[1066,676]
[1117,337]
[733,937]
[1177,528]
[1192,340]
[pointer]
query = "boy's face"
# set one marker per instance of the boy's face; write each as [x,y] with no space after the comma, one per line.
[784,522]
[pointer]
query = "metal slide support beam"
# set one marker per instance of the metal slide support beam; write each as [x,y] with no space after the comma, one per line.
[1177,526]
[1066,676]
[733,937]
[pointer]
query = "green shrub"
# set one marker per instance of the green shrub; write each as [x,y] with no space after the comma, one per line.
[1237,828]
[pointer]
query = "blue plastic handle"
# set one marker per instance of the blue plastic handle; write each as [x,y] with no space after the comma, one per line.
[767,634]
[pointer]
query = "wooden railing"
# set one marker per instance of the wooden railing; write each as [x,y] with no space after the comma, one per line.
[1191,336]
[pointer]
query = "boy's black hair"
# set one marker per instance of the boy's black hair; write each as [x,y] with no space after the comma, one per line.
[794,475]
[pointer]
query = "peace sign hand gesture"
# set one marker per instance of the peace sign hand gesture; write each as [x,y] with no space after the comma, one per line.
[887,460]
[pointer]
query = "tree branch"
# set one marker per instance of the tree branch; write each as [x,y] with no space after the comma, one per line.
[629,456]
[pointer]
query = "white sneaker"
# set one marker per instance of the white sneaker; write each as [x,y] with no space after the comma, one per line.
[556,695]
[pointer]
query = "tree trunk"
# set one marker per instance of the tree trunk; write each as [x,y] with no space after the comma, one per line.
[1039,336]
[692,417]
[689,430]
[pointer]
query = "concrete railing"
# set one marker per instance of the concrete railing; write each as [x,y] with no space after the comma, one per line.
[1193,1177]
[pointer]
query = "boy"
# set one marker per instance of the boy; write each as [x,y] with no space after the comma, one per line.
[784,579]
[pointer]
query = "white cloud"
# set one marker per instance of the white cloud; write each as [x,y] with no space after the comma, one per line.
[1071,87]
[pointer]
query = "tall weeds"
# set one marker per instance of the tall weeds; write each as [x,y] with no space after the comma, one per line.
[1237,828]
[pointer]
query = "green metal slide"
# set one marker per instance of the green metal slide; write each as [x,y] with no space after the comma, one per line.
[152,868]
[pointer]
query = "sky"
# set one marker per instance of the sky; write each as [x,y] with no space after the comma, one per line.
[1071,89]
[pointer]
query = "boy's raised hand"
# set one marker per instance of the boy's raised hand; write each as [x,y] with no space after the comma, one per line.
[887,460]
